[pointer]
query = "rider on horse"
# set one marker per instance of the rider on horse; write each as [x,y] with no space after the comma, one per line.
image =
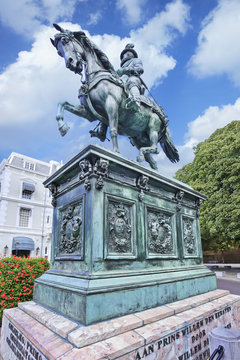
[130,72]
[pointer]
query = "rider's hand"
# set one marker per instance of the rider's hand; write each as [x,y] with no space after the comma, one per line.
[120,72]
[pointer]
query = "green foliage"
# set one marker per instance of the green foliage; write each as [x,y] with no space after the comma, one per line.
[17,276]
[215,172]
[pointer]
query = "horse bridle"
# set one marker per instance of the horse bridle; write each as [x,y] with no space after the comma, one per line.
[79,58]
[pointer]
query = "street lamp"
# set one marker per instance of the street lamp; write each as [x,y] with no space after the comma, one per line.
[5,250]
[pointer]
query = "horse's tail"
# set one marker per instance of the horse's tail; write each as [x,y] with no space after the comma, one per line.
[168,146]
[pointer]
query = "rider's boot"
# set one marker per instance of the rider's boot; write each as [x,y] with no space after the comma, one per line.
[100,133]
[133,101]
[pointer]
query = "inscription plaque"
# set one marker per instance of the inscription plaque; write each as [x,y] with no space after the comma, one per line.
[17,346]
[190,342]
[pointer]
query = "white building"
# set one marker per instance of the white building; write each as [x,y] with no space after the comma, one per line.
[25,206]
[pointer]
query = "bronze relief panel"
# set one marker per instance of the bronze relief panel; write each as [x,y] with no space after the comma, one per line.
[120,228]
[160,231]
[189,237]
[70,230]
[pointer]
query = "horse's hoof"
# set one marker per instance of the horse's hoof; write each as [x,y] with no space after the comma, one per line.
[154,166]
[64,129]
[140,158]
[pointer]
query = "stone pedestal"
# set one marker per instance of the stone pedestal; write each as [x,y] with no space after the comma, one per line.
[125,239]
[178,330]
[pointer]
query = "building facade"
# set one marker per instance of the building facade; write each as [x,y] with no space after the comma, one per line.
[25,206]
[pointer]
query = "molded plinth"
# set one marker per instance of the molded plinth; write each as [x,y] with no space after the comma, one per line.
[125,239]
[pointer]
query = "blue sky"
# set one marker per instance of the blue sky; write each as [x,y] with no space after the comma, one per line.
[190,50]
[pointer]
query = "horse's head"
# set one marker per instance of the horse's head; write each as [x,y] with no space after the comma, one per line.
[68,46]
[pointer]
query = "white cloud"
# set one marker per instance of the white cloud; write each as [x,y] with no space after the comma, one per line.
[213,118]
[131,9]
[94,18]
[31,87]
[218,50]
[26,16]
[153,38]
[199,130]
[151,41]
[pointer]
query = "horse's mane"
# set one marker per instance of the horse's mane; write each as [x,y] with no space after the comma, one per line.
[100,54]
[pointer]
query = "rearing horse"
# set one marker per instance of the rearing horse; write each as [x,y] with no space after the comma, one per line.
[102,96]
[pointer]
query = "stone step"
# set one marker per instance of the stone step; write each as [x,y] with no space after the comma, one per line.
[178,328]
[81,336]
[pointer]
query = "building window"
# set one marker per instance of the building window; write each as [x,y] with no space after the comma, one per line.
[24,217]
[48,219]
[27,190]
[29,166]
[26,194]
[45,250]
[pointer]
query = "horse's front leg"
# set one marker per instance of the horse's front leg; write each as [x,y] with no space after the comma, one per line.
[78,110]
[112,111]
[62,126]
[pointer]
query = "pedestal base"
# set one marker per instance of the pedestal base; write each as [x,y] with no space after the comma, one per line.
[125,239]
[109,295]
[175,331]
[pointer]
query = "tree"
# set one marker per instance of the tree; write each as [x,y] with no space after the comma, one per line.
[215,172]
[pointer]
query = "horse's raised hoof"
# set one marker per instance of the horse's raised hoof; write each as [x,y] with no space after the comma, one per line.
[64,129]
[140,158]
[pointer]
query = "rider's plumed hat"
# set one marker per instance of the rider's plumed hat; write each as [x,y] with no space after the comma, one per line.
[128,47]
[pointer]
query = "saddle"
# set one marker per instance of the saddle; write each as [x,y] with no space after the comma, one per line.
[133,104]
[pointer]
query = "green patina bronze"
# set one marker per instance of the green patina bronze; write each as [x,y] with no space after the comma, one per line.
[125,239]
[116,98]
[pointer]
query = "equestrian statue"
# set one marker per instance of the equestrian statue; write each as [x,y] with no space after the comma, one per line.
[115,98]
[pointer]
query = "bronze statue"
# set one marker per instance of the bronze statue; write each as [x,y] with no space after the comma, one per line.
[114,98]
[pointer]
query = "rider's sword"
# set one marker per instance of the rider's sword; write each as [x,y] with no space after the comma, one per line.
[164,117]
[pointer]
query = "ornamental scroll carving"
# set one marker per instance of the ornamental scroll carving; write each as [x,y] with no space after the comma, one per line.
[53,189]
[179,199]
[70,232]
[142,184]
[120,230]
[198,203]
[85,172]
[189,236]
[101,170]
[160,237]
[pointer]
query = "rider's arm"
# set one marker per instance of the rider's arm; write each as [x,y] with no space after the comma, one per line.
[135,68]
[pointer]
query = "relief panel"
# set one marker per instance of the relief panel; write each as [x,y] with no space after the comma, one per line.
[120,228]
[70,230]
[189,237]
[160,233]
